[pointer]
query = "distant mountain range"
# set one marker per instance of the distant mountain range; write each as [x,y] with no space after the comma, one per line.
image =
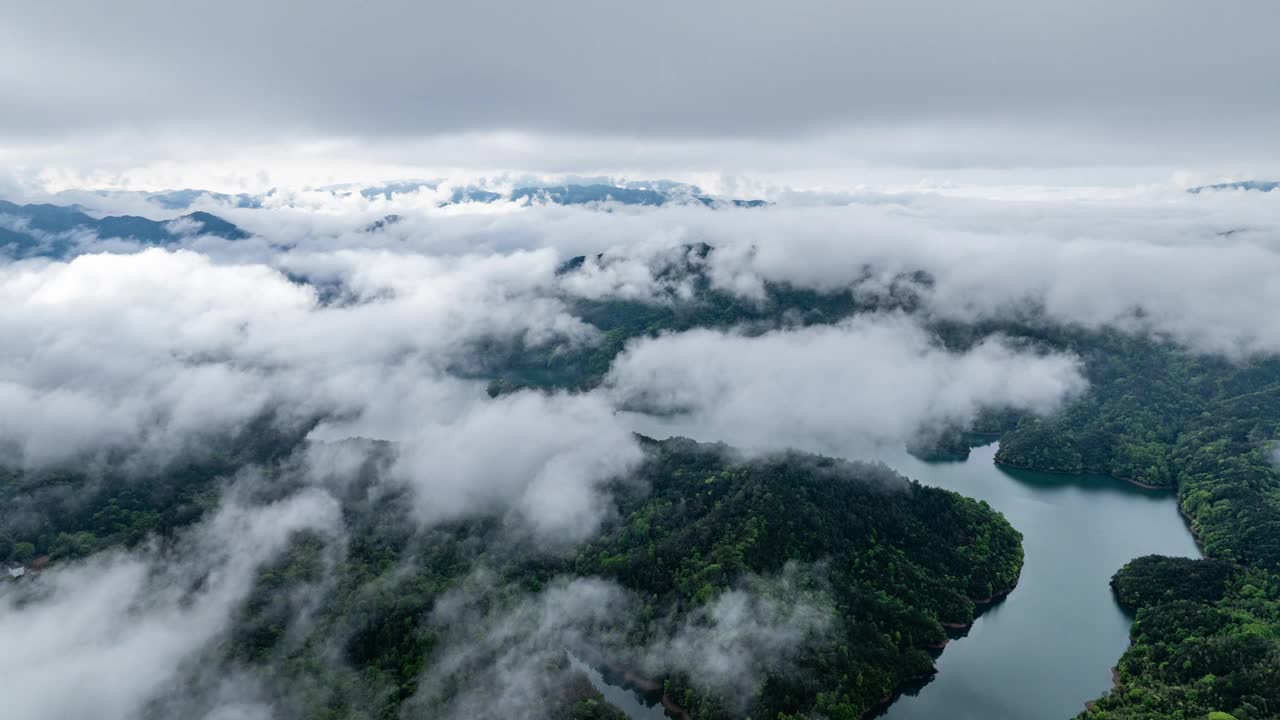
[51,230]
[48,230]
[1259,185]
[185,198]
[586,192]
[651,194]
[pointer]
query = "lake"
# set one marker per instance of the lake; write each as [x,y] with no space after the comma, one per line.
[1047,648]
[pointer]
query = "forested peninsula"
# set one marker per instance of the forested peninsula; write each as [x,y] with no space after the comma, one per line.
[854,571]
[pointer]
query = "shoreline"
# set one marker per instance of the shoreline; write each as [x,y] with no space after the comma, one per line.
[1187,519]
[1131,481]
[888,700]
[983,603]
[1190,521]
[634,682]
[1191,528]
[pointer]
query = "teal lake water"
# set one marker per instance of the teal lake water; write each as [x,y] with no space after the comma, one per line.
[1047,648]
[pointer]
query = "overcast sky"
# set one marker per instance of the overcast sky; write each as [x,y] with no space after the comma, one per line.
[709,86]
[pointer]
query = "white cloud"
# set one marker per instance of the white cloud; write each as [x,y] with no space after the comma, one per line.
[839,388]
[505,655]
[157,347]
[725,643]
[541,456]
[1195,271]
[156,350]
[502,651]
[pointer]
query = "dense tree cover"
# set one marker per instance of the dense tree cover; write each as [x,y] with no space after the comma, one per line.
[578,700]
[1207,426]
[1160,415]
[1155,579]
[899,559]
[1205,639]
[1144,395]
[888,559]
[73,509]
[948,445]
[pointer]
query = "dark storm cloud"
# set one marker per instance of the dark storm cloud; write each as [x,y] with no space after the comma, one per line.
[654,69]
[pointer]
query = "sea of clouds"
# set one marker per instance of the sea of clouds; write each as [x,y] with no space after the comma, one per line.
[338,330]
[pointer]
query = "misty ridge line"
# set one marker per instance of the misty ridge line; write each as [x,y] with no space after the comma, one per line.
[993,274]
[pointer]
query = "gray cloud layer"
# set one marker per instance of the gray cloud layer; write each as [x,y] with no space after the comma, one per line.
[1151,79]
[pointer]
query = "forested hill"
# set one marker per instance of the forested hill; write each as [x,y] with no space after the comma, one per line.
[1205,638]
[852,569]
[876,563]
[896,561]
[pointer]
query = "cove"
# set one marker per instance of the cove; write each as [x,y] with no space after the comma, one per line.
[634,704]
[1047,648]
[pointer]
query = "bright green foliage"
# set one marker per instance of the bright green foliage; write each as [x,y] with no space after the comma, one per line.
[1193,653]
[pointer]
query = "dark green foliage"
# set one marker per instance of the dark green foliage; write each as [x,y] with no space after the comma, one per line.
[891,559]
[899,559]
[1155,414]
[1197,650]
[1207,636]
[511,365]
[71,511]
[581,701]
[262,620]
[1155,579]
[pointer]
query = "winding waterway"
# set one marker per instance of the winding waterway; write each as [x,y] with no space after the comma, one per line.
[1048,647]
